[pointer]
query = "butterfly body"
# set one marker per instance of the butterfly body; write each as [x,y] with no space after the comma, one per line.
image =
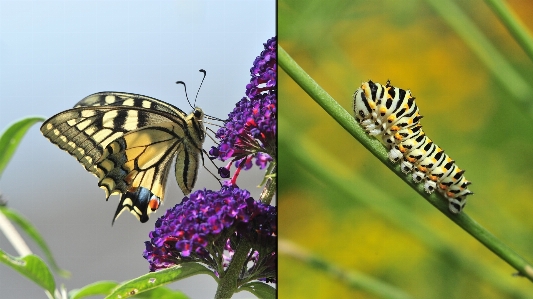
[129,141]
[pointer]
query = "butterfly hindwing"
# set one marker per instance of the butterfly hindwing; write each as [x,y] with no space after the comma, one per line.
[128,141]
[137,166]
[140,161]
[140,202]
[140,158]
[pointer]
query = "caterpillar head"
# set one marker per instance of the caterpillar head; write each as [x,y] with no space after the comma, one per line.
[365,98]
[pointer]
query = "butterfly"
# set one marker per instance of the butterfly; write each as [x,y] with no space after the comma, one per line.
[129,141]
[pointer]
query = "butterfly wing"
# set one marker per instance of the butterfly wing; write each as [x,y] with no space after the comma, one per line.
[140,160]
[85,132]
[137,164]
[124,99]
[128,142]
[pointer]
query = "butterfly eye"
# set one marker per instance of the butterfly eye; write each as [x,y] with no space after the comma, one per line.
[198,113]
[404,132]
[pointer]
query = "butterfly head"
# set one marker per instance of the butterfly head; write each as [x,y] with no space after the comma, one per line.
[198,114]
[196,118]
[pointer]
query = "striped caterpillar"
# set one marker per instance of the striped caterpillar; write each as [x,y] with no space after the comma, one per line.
[391,115]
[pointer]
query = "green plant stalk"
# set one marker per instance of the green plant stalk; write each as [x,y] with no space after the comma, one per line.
[321,97]
[513,24]
[270,183]
[14,217]
[474,38]
[13,236]
[352,278]
[229,280]
[269,191]
[365,192]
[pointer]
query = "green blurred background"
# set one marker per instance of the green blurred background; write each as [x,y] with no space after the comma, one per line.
[476,105]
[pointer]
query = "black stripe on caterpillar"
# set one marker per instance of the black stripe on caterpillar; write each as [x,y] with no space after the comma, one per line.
[391,115]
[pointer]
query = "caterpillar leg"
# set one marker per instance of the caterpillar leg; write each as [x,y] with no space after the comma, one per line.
[366,122]
[430,186]
[372,128]
[406,166]
[395,155]
[418,176]
[456,205]
[375,132]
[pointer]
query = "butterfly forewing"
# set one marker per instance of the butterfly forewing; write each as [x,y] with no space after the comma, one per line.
[85,132]
[128,141]
[111,98]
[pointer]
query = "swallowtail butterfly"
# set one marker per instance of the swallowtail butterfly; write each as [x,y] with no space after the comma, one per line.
[391,115]
[129,141]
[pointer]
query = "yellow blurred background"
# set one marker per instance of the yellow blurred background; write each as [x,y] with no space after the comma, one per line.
[476,105]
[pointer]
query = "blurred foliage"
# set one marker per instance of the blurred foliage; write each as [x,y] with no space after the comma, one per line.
[466,111]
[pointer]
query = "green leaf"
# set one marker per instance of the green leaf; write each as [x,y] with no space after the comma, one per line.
[162,293]
[105,287]
[259,289]
[97,288]
[33,267]
[153,280]
[10,138]
[25,225]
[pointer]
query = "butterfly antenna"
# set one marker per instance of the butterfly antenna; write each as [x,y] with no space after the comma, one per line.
[186,96]
[203,71]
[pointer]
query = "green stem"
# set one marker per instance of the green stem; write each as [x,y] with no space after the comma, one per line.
[354,279]
[13,236]
[361,191]
[513,24]
[270,185]
[228,283]
[348,123]
[474,38]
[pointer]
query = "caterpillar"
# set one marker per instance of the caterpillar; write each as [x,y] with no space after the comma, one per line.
[391,115]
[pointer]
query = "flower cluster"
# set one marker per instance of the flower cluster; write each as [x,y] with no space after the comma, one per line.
[228,231]
[197,228]
[264,71]
[250,130]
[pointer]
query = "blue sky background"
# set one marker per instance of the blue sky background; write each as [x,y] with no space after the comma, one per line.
[53,54]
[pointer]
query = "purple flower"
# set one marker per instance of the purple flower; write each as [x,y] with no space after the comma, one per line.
[250,130]
[264,71]
[207,226]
